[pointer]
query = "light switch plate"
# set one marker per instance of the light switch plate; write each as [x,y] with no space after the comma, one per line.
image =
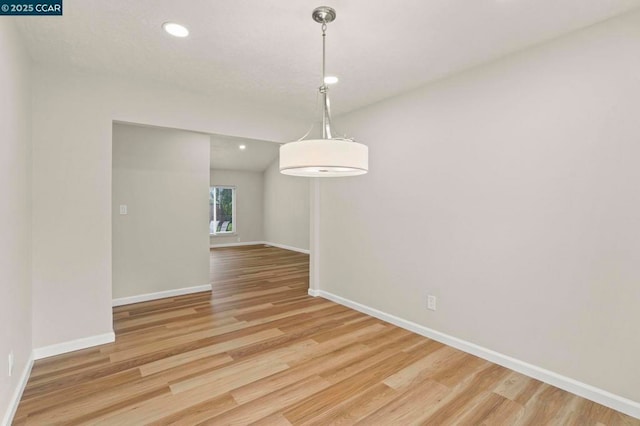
[10,362]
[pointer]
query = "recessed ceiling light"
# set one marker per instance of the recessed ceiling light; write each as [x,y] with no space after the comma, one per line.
[175,30]
[242,147]
[330,79]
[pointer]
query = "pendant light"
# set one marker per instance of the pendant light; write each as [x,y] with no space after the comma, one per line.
[329,156]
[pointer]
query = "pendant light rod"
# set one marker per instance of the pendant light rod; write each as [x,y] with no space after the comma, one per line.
[324,89]
[324,15]
[324,50]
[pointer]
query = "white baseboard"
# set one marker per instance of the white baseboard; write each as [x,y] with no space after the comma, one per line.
[286,247]
[247,243]
[73,345]
[159,295]
[608,399]
[254,243]
[17,393]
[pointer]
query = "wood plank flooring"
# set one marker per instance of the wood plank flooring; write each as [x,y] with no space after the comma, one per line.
[261,351]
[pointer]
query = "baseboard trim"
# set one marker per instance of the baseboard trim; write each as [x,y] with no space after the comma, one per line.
[608,399]
[159,295]
[17,393]
[259,243]
[74,345]
[247,243]
[286,247]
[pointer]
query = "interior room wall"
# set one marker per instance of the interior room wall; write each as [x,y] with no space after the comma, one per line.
[249,205]
[286,208]
[15,213]
[162,176]
[73,114]
[510,192]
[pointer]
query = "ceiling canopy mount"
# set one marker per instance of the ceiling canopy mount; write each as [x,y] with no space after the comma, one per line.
[324,15]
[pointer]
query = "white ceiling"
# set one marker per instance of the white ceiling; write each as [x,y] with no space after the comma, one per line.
[256,157]
[268,52]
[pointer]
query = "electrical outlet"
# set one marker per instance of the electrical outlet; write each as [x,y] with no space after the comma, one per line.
[10,362]
[431,302]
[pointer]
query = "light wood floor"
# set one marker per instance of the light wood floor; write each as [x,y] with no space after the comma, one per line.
[261,351]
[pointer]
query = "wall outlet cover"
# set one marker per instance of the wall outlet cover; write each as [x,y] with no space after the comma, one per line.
[431,302]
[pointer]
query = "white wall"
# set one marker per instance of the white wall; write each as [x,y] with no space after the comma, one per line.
[249,210]
[162,176]
[72,121]
[15,210]
[286,208]
[511,193]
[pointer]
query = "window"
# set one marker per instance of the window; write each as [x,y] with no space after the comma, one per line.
[222,210]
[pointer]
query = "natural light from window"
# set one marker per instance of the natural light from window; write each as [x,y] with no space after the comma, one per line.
[222,210]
